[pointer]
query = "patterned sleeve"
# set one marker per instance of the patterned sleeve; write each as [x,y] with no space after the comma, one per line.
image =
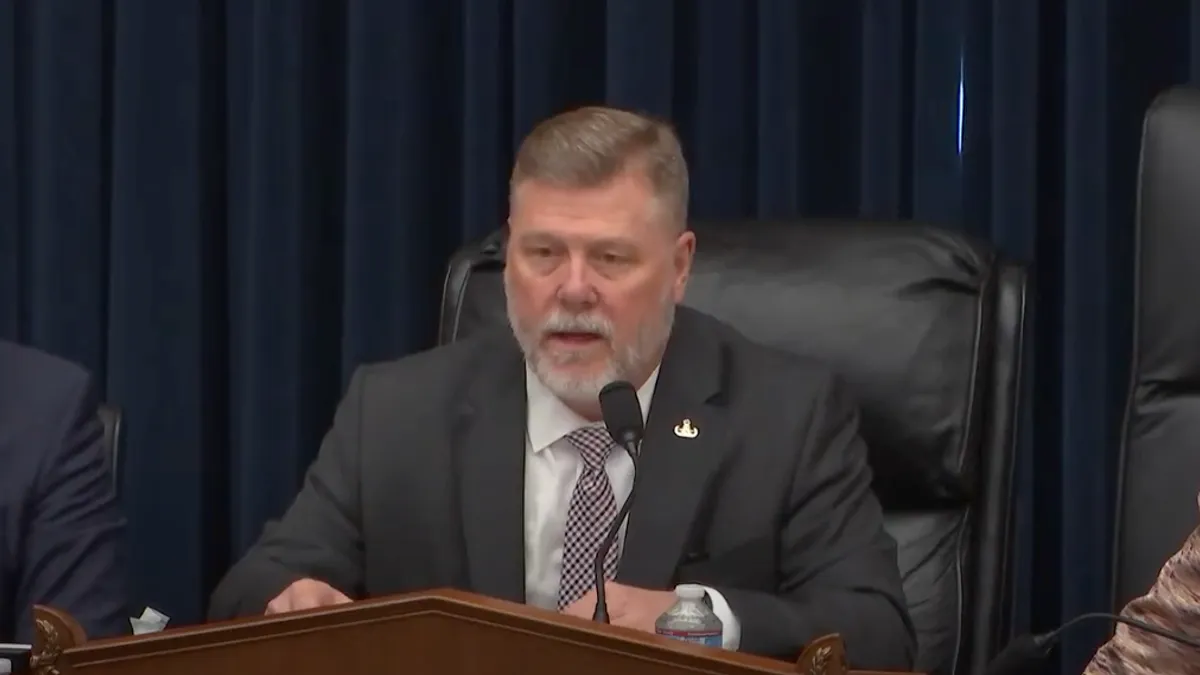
[1173,603]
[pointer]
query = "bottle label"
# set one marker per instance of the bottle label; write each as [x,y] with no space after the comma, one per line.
[708,638]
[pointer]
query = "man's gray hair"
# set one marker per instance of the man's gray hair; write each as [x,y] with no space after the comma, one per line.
[588,147]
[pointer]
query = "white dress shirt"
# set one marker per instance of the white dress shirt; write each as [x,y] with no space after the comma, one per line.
[552,466]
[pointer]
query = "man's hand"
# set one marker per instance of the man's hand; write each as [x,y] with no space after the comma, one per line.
[306,594]
[636,608]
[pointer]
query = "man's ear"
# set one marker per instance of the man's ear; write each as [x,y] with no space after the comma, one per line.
[685,252]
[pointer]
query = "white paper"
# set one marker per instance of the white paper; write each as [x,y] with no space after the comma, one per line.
[150,621]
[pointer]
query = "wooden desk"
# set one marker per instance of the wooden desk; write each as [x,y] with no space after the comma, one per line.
[441,633]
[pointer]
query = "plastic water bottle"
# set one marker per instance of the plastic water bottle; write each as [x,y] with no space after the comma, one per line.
[689,619]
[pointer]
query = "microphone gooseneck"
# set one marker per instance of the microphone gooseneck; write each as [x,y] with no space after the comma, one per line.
[1028,649]
[622,413]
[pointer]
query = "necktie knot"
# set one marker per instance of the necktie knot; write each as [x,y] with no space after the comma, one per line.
[594,445]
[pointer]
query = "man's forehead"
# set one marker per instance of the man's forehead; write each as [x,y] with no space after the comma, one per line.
[575,222]
[593,237]
[579,221]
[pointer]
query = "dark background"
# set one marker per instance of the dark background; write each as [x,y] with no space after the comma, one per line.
[222,207]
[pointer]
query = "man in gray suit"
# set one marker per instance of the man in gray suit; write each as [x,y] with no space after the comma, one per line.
[483,466]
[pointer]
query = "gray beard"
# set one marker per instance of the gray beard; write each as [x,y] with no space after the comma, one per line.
[580,390]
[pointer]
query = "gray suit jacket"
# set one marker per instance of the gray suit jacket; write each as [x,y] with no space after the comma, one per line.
[419,485]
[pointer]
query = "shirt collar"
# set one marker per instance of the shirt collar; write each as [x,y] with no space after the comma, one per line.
[549,419]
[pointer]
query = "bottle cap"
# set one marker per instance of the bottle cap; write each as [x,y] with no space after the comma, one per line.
[690,592]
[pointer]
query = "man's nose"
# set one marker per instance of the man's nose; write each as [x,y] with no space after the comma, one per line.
[577,288]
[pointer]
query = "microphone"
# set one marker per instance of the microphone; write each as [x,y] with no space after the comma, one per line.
[622,415]
[1026,650]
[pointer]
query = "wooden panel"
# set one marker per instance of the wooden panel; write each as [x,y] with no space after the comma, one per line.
[446,632]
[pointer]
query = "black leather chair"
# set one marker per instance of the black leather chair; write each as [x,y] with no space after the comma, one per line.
[110,417]
[1160,459]
[928,327]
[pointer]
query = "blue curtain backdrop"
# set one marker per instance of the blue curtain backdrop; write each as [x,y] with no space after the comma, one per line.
[222,207]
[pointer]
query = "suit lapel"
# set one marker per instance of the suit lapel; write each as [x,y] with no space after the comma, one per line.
[682,449]
[490,453]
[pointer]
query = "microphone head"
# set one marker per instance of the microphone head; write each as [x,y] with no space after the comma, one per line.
[622,412]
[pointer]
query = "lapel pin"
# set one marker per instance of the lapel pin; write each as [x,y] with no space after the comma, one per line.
[685,429]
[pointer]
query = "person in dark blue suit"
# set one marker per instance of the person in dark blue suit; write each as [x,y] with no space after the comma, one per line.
[61,529]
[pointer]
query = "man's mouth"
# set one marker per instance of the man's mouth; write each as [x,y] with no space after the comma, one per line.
[575,337]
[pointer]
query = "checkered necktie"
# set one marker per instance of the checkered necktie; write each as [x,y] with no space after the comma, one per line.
[592,510]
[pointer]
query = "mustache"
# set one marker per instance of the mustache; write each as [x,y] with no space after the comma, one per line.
[562,322]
